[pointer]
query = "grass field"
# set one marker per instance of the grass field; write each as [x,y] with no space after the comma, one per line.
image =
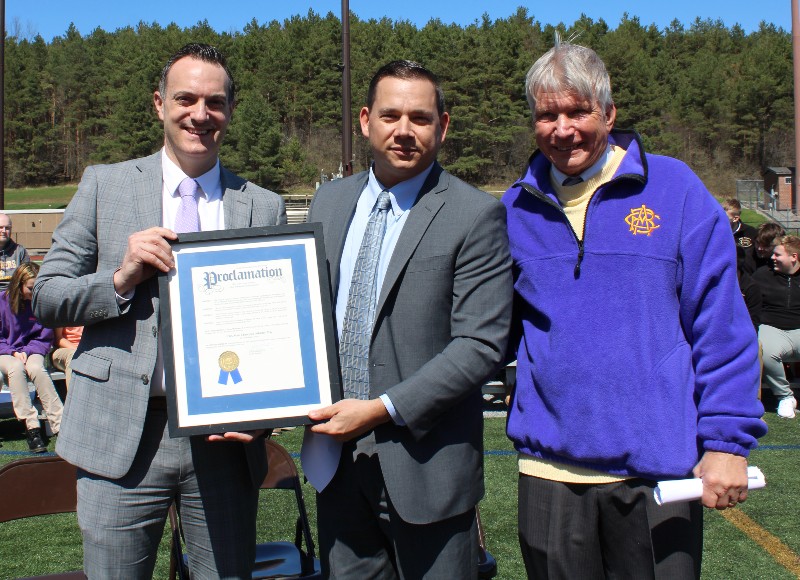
[39,197]
[753,218]
[762,541]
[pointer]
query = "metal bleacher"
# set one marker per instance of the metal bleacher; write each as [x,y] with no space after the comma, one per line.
[297,207]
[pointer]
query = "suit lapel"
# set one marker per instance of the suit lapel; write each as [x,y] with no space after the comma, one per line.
[146,189]
[238,206]
[422,213]
[339,224]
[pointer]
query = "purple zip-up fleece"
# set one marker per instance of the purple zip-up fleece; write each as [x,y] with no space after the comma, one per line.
[635,350]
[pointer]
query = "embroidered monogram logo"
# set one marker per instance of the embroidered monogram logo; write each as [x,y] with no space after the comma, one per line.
[642,220]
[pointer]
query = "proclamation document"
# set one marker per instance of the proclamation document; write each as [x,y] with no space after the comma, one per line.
[248,336]
[236,345]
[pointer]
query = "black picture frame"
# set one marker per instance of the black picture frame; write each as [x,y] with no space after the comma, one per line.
[247,330]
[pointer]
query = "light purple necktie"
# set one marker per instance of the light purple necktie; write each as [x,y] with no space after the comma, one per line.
[187,219]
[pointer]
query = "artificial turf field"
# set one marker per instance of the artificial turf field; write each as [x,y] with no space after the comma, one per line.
[760,539]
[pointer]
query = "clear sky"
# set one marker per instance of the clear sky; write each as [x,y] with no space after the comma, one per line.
[52,17]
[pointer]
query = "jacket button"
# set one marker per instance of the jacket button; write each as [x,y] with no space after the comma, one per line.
[145,379]
[155,331]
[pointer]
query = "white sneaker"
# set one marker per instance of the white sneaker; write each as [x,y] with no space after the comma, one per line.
[786,407]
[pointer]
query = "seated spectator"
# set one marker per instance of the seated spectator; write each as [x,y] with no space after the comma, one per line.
[66,342]
[24,342]
[744,234]
[750,290]
[11,253]
[765,242]
[779,332]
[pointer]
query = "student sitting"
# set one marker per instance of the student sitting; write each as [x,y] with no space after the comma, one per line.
[779,332]
[66,342]
[24,342]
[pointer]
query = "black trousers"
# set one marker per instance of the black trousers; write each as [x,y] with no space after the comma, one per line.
[613,530]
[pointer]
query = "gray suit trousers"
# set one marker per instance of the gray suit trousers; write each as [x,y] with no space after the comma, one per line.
[122,520]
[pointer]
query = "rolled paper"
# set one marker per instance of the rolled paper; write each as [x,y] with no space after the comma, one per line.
[692,489]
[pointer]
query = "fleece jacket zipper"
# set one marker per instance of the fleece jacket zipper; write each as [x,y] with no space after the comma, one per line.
[578,240]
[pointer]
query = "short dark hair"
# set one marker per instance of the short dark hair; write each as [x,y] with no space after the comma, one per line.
[405,69]
[204,52]
[767,232]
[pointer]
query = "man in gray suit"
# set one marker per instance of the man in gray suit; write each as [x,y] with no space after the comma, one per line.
[402,500]
[101,272]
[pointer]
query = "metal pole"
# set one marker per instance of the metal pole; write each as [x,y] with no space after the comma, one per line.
[3,106]
[796,61]
[347,120]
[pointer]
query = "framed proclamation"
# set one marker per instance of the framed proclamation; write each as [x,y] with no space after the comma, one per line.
[247,330]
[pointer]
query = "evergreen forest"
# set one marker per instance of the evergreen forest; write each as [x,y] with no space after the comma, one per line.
[716,97]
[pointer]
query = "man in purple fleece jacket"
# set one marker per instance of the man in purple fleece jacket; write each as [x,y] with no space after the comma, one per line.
[637,360]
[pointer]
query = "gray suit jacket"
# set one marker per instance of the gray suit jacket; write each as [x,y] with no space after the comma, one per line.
[440,332]
[112,368]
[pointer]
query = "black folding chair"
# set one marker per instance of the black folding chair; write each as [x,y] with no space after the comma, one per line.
[273,559]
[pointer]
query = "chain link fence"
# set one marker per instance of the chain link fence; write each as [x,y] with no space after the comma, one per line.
[752,195]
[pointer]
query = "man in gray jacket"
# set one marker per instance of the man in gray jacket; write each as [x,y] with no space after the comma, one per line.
[420,331]
[101,272]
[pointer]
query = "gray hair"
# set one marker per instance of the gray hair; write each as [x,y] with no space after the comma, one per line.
[569,68]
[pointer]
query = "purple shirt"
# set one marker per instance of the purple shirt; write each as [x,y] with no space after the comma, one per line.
[21,332]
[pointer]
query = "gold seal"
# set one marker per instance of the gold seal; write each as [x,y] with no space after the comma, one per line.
[228,361]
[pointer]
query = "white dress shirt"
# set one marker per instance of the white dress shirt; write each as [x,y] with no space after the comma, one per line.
[212,217]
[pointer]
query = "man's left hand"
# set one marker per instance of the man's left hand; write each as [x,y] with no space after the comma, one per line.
[237,436]
[349,418]
[724,478]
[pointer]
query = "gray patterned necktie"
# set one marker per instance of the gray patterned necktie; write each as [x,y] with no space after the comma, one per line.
[187,220]
[359,315]
[572,180]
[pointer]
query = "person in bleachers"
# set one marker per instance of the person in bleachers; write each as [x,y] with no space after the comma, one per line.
[765,243]
[12,254]
[750,290]
[779,332]
[745,235]
[66,343]
[24,343]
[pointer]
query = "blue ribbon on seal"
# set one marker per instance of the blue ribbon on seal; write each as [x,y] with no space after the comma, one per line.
[223,376]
